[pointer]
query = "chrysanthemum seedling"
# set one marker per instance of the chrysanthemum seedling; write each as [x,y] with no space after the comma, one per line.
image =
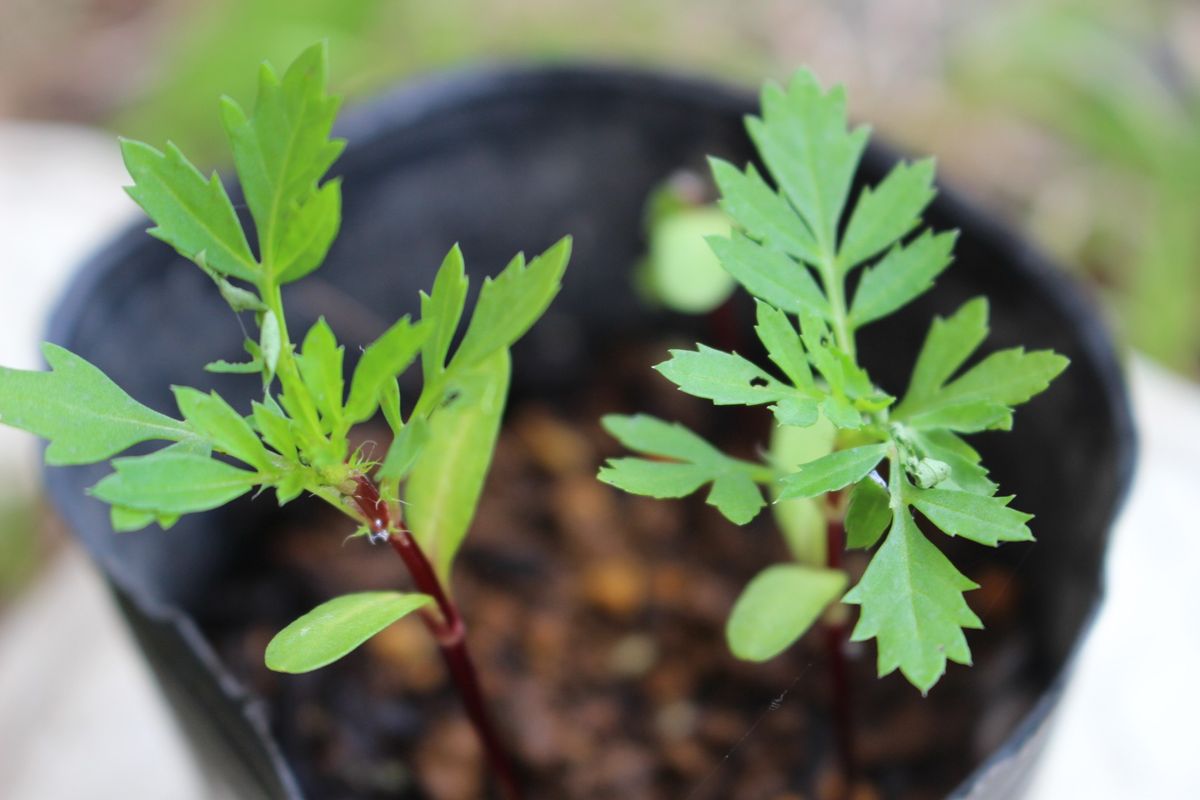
[846,452]
[296,438]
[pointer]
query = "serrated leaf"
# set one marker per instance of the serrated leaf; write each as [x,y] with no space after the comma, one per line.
[511,302]
[173,483]
[1009,377]
[832,472]
[804,139]
[441,311]
[905,273]
[447,479]
[336,627]
[912,604]
[968,417]
[229,368]
[218,422]
[778,606]
[84,415]
[868,514]
[887,212]
[761,212]
[783,345]
[320,364]
[724,378]
[405,449]
[770,275]
[190,213]
[126,520]
[382,360]
[948,344]
[281,152]
[986,520]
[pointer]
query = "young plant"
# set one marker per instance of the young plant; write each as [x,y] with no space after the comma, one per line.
[295,440]
[846,452]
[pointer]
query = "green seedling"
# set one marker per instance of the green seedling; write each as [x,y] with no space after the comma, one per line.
[846,452]
[295,440]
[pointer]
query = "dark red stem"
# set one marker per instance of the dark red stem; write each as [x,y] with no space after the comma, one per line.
[836,635]
[446,626]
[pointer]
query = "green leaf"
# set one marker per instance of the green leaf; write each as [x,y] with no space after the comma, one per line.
[734,492]
[405,450]
[191,214]
[281,151]
[275,429]
[1009,377]
[270,343]
[441,312]
[912,603]
[389,404]
[986,520]
[783,345]
[724,378]
[511,302]
[966,473]
[321,367]
[905,273]
[173,483]
[798,411]
[125,520]
[868,514]
[841,412]
[447,480]
[239,299]
[968,417]
[216,420]
[680,269]
[888,212]
[770,275]
[334,628]
[947,345]
[778,606]
[382,360]
[240,368]
[832,472]
[804,139]
[762,213]
[85,416]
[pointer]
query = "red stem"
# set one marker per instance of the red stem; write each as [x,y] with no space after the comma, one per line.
[836,635]
[446,627]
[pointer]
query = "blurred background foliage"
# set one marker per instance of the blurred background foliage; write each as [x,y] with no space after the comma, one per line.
[1078,120]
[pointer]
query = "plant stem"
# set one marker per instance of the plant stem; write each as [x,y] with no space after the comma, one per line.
[836,634]
[446,627]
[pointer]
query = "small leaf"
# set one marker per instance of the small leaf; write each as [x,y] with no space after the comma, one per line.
[724,378]
[270,343]
[986,520]
[912,603]
[947,345]
[798,411]
[321,367]
[968,417]
[125,520]
[646,434]
[405,450]
[441,311]
[309,233]
[778,606]
[240,368]
[383,360]
[783,345]
[334,628]
[888,212]
[761,212]
[511,302]
[238,298]
[659,479]
[190,213]
[275,430]
[841,412]
[832,472]
[904,274]
[770,275]
[220,424]
[965,470]
[173,483]
[868,514]
[85,416]
[737,496]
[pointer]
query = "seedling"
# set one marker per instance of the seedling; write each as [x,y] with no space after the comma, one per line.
[295,440]
[846,452]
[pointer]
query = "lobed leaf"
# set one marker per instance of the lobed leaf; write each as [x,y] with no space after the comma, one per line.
[770,275]
[947,345]
[761,212]
[886,213]
[224,427]
[783,345]
[868,514]
[986,520]
[169,482]
[382,360]
[905,273]
[724,378]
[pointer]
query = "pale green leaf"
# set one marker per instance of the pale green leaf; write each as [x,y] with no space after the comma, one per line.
[798,411]
[224,427]
[643,433]
[912,604]
[320,364]
[887,212]
[336,627]
[724,378]
[190,213]
[447,479]
[276,430]
[230,368]
[173,483]
[84,415]
[761,212]
[405,449]
[905,273]
[511,302]
[309,233]
[441,311]
[382,360]
[124,520]
[986,520]
[270,343]
[681,270]
[778,606]
[868,514]
[661,479]
[832,472]
[966,473]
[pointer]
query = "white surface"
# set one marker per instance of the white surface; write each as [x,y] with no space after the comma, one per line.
[81,718]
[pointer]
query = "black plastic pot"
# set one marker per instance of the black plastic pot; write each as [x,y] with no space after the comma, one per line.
[507,160]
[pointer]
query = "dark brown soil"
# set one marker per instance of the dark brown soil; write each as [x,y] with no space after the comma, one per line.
[596,619]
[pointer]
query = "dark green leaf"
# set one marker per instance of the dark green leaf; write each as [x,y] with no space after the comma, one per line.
[334,628]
